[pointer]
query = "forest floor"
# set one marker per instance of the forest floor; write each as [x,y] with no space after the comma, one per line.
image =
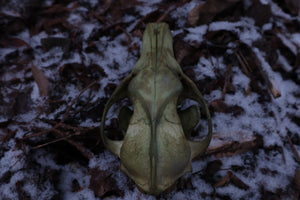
[61,60]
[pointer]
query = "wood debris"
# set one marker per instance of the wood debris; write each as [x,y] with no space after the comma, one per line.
[230,144]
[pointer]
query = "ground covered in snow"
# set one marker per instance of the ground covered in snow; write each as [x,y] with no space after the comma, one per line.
[61,60]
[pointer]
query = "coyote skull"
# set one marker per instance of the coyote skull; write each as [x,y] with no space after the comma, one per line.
[156,149]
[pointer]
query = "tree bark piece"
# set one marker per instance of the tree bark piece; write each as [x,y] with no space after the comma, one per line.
[230,144]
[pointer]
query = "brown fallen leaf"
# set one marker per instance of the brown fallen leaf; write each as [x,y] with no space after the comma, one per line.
[51,42]
[48,24]
[136,30]
[223,182]
[13,42]
[11,24]
[220,106]
[205,13]
[221,38]
[101,183]
[194,15]
[22,102]
[185,54]
[210,170]
[60,9]
[237,181]
[41,80]
[212,167]
[260,12]
[158,15]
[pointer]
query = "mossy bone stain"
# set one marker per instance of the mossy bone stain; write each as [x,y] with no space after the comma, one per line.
[156,149]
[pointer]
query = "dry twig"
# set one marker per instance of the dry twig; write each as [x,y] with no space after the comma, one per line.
[65,135]
[248,70]
[232,145]
[227,79]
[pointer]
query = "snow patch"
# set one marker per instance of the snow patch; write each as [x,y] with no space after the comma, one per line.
[296,38]
[245,29]
[104,161]
[196,34]
[288,43]
[12,160]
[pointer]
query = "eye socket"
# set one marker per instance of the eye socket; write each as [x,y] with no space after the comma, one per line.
[113,125]
[198,130]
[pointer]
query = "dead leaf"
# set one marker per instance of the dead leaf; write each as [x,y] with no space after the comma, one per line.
[223,182]
[237,181]
[41,80]
[106,5]
[220,106]
[60,9]
[210,170]
[193,16]
[186,55]
[101,183]
[48,24]
[213,166]
[11,24]
[260,12]
[51,42]
[144,20]
[22,102]
[205,12]
[13,42]
[221,38]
